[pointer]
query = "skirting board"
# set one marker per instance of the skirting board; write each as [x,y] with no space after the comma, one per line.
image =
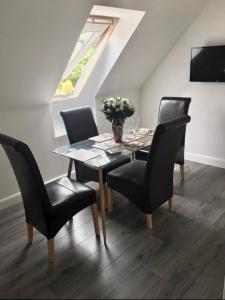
[206,160]
[10,201]
[16,198]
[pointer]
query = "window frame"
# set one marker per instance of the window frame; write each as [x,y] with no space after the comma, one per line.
[95,23]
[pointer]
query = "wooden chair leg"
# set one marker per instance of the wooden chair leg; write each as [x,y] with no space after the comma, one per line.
[170,203]
[102,203]
[149,221]
[110,199]
[182,171]
[95,218]
[51,251]
[70,168]
[29,233]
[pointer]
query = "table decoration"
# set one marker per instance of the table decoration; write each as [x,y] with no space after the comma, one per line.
[117,110]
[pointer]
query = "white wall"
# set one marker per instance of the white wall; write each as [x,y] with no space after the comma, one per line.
[205,135]
[36,38]
[164,23]
[33,125]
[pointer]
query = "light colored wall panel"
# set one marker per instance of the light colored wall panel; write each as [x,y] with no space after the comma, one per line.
[205,134]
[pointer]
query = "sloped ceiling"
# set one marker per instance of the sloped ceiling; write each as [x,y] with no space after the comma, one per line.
[164,23]
[37,39]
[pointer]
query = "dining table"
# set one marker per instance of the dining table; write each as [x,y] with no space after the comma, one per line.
[101,151]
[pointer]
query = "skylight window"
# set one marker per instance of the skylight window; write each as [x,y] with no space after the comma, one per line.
[87,50]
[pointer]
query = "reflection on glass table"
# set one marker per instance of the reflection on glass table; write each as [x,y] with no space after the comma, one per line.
[99,154]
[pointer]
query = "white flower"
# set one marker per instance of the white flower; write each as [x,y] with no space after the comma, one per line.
[109,111]
[117,109]
[114,105]
[109,104]
[125,100]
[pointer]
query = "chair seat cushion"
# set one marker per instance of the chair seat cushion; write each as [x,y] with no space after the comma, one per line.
[129,181]
[90,173]
[142,154]
[68,196]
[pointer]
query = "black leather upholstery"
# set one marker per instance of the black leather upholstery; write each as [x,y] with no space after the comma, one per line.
[129,181]
[170,108]
[80,125]
[149,185]
[48,207]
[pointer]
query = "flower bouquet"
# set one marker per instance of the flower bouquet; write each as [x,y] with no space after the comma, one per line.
[117,110]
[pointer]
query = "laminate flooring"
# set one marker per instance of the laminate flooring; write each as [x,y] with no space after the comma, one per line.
[183,258]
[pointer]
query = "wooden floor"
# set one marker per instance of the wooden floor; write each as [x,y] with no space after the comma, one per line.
[183,258]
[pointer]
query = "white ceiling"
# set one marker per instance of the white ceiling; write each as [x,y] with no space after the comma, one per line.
[164,23]
[36,42]
[37,39]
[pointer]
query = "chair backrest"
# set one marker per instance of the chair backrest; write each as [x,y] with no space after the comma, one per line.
[160,164]
[173,107]
[170,108]
[79,123]
[35,198]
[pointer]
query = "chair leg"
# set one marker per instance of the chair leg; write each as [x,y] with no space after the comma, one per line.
[29,233]
[102,203]
[70,168]
[149,221]
[170,203]
[110,199]
[51,250]
[182,171]
[95,219]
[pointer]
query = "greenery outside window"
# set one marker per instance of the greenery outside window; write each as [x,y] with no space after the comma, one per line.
[87,50]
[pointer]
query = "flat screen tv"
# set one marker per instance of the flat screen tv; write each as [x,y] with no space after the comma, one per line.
[208,64]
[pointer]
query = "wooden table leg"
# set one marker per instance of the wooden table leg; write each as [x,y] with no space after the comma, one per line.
[102,202]
[69,175]
[110,199]
[106,198]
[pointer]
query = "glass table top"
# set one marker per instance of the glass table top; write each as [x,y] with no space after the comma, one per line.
[99,154]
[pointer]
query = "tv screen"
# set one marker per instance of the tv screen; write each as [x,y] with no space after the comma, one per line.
[208,64]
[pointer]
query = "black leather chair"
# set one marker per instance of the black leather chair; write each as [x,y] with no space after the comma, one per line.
[80,125]
[150,185]
[170,108]
[47,207]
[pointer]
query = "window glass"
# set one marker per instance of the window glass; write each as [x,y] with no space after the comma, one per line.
[84,50]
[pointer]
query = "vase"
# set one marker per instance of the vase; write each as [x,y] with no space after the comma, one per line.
[117,133]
